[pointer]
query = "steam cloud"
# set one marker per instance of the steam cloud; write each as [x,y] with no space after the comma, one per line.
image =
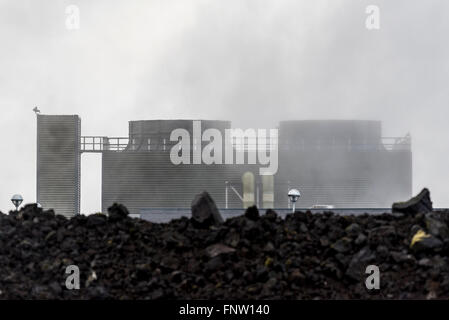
[254,62]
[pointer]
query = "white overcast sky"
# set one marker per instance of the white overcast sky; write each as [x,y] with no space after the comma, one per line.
[251,61]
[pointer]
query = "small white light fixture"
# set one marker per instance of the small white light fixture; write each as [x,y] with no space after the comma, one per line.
[17,200]
[294,195]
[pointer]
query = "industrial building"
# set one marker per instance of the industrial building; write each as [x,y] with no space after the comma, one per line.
[344,163]
[59,163]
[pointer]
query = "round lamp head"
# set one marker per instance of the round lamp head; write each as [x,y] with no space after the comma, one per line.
[294,195]
[17,200]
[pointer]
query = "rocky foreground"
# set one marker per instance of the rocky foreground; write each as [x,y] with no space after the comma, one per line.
[305,256]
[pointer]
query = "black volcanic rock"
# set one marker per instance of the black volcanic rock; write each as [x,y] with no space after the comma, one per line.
[421,203]
[437,226]
[252,213]
[30,211]
[218,249]
[97,219]
[117,212]
[303,256]
[342,245]
[204,211]
[359,262]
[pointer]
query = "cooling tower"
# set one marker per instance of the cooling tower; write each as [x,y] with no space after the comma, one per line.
[143,176]
[344,163]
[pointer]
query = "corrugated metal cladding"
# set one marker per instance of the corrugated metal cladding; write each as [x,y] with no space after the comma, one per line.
[342,163]
[149,180]
[345,179]
[58,163]
[143,176]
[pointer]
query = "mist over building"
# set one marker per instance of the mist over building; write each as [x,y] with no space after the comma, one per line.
[344,163]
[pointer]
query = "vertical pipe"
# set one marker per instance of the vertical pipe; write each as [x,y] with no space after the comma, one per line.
[226,194]
[257,196]
[268,192]
[248,189]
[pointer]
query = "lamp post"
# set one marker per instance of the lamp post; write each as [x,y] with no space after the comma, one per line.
[294,195]
[17,200]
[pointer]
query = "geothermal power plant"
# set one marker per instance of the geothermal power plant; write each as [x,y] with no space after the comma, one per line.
[343,163]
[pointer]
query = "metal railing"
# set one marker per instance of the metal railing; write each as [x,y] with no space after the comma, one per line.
[381,144]
[100,144]
[118,144]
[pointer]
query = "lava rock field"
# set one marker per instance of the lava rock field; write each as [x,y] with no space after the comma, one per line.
[304,256]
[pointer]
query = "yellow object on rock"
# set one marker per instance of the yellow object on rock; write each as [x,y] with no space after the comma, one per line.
[420,235]
[268,262]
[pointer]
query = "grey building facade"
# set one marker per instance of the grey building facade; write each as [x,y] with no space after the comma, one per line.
[334,162]
[59,163]
[142,175]
[342,163]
